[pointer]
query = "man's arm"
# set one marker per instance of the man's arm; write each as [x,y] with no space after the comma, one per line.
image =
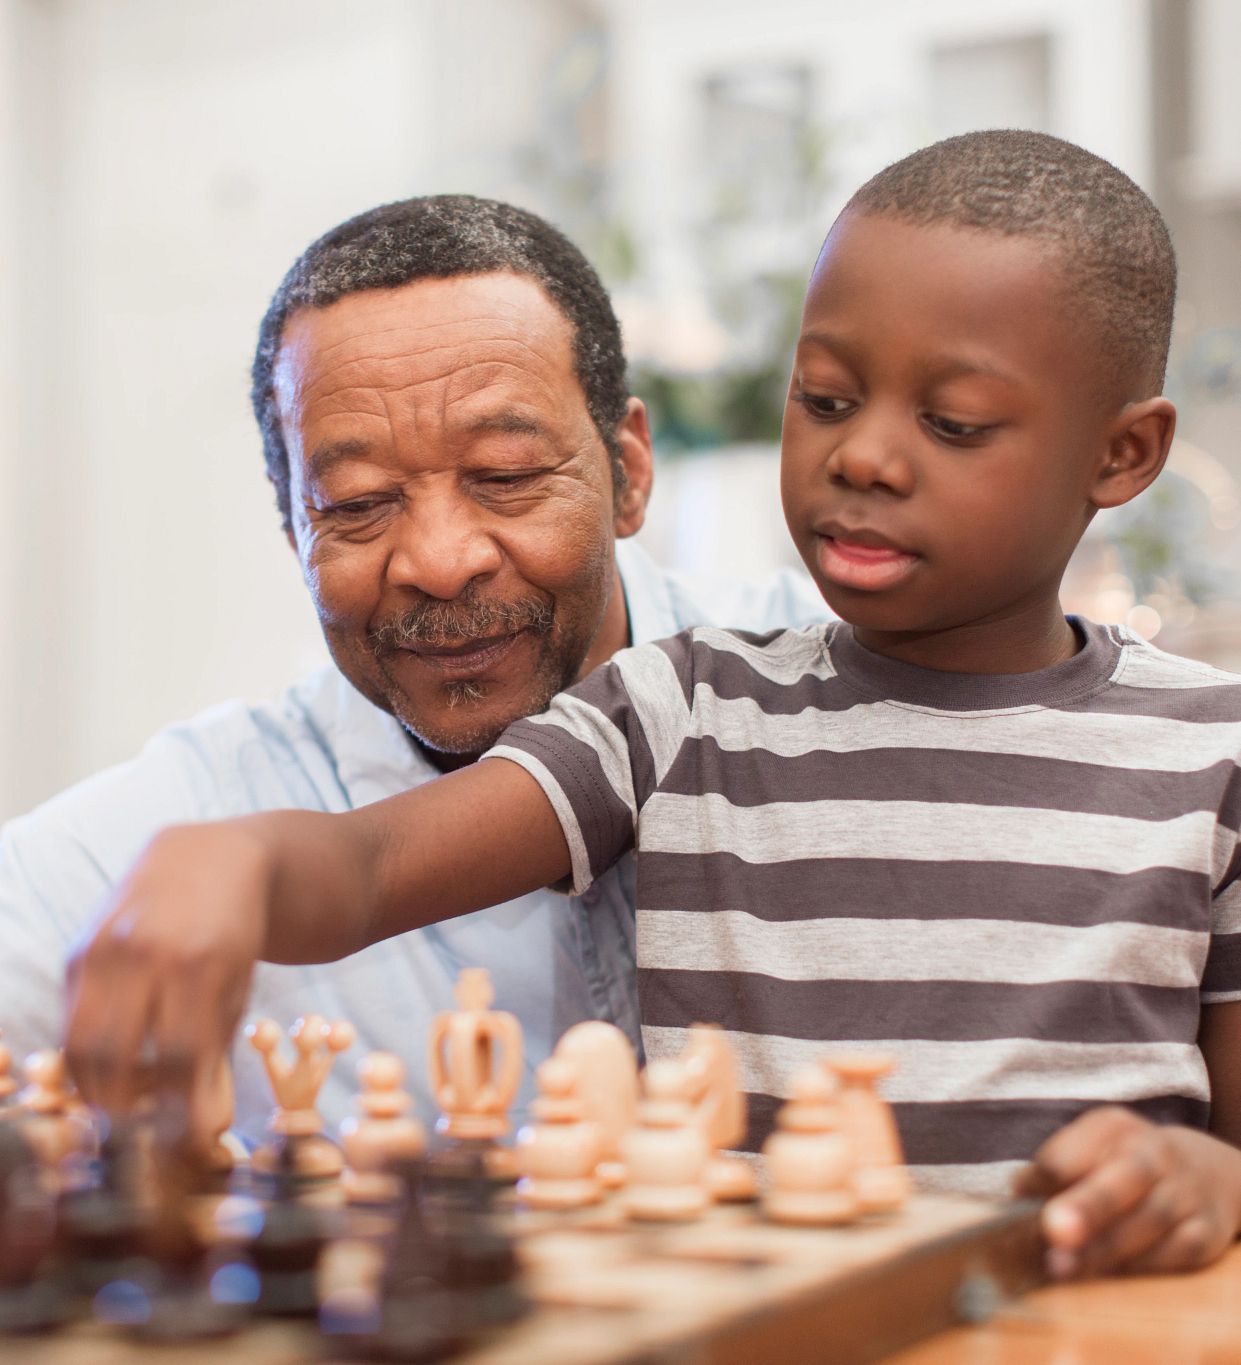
[164,975]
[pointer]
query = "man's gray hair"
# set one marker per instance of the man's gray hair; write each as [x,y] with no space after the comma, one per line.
[439,237]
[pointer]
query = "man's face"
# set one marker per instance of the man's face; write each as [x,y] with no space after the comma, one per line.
[943,429]
[453,504]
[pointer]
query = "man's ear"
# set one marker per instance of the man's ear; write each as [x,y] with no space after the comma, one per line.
[634,434]
[1140,439]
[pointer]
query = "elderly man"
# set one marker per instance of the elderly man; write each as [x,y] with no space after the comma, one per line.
[440,387]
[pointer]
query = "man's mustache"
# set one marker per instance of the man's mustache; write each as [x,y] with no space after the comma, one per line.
[437,623]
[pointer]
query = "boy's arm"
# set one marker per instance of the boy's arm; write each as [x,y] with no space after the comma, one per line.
[1127,1194]
[162,980]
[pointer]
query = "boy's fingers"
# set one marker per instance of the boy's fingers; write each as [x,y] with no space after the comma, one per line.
[1079,1214]
[1080,1146]
[1193,1242]
[1133,1236]
[106,1030]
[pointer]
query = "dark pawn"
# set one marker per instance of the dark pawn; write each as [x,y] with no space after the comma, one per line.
[32,1294]
[104,1226]
[286,1250]
[193,1291]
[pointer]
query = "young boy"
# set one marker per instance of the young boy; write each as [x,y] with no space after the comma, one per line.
[1001,844]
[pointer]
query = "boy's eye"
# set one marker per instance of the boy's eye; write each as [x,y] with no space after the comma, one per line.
[954,431]
[822,405]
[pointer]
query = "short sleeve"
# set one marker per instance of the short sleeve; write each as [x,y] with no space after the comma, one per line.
[1221,979]
[600,749]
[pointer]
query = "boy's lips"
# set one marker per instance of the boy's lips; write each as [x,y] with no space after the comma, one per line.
[861,558]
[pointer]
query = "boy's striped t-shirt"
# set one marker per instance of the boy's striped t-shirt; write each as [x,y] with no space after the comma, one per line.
[1022,886]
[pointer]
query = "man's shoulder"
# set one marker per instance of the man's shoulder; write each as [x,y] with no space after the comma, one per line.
[314,746]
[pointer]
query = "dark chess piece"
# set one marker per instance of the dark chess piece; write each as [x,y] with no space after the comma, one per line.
[478,1259]
[104,1224]
[33,1297]
[417,1318]
[285,1252]
[193,1291]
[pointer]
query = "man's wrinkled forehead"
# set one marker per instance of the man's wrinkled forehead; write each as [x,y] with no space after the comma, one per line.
[445,344]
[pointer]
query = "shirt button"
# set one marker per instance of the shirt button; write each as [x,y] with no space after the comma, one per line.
[590,896]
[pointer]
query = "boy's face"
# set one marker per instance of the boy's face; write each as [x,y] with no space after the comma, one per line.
[943,433]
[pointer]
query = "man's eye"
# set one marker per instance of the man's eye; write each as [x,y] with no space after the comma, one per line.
[513,480]
[954,431]
[356,509]
[822,405]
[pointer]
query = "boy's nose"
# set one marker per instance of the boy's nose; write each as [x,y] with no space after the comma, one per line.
[871,455]
[442,546]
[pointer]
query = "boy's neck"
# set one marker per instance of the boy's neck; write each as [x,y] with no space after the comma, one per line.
[1028,640]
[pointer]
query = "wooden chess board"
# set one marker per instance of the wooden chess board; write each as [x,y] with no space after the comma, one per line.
[727,1288]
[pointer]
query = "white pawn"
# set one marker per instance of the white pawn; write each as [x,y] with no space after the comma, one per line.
[606,1088]
[8,1086]
[810,1162]
[56,1122]
[558,1155]
[666,1155]
[383,1132]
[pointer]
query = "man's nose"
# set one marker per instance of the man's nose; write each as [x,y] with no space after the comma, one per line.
[442,544]
[873,453]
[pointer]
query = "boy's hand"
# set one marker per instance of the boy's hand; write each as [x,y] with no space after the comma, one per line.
[1125,1194]
[156,991]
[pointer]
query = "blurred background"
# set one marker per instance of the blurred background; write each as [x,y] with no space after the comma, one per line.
[161,164]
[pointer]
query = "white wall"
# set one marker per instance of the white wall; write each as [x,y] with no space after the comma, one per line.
[872,65]
[161,165]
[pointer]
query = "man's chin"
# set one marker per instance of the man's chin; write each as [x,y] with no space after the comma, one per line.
[465,729]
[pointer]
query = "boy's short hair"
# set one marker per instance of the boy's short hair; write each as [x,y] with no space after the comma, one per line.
[1117,255]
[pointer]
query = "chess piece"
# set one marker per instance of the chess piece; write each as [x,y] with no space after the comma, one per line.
[296,1086]
[558,1154]
[666,1155]
[212,1109]
[53,1120]
[32,1296]
[881,1178]
[474,1061]
[8,1086]
[606,1088]
[810,1161]
[381,1134]
[286,1249]
[104,1224]
[719,1109]
[195,1285]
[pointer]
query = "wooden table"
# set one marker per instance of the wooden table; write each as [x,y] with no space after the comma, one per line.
[1152,1320]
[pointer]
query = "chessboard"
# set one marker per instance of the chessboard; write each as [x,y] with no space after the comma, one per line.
[729,1289]
[621,1225]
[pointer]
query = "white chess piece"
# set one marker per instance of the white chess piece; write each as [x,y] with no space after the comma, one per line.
[607,1087]
[474,1061]
[296,1087]
[666,1154]
[558,1155]
[810,1162]
[381,1133]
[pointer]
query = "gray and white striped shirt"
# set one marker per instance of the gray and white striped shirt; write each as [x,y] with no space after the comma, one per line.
[1022,886]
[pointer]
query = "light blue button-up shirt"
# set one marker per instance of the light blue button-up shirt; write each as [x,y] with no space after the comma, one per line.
[324,747]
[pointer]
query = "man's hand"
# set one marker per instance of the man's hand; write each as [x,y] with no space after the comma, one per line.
[156,991]
[1129,1195]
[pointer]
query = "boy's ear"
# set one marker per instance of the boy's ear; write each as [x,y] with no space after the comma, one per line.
[1140,439]
[637,459]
